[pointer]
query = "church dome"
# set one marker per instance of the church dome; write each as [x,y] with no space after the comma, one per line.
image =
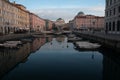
[59,19]
[80,13]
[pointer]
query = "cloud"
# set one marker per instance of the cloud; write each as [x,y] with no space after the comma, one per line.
[68,13]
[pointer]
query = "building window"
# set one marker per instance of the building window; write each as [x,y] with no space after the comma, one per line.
[106,26]
[107,2]
[0,11]
[113,26]
[118,25]
[110,12]
[0,19]
[109,26]
[106,13]
[119,9]
[114,11]
[110,2]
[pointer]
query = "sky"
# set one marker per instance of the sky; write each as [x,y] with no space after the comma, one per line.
[66,9]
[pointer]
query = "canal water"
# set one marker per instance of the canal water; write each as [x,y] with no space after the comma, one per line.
[54,58]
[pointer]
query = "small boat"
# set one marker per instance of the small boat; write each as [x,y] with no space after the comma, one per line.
[1,45]
[37,36]
[26,40]
[74,39]
[9,45]
[58,33]
[71,36]
[14,42]
[87,45]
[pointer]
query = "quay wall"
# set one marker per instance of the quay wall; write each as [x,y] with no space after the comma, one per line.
[13,37]
[105,40]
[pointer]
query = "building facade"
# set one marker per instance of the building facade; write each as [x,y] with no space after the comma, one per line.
[49,25]
[1,17]
[37,24]
[13,17]
[71,25]
[21,18]
[6,16]
[112,19]
[59,24]
[82,21]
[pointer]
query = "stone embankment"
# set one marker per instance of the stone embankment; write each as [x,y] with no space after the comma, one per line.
[13,37]
[108,40]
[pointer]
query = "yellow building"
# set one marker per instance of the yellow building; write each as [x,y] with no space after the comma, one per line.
[22,19]
[8,16]
[13,17]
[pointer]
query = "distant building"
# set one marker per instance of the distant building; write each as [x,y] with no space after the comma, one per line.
[48,25]
[71,25]
[59,22]
[82,21]
[37,24]
[112,19]
[15,18]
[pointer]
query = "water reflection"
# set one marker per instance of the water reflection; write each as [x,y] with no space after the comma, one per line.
[111,65]
[9,58]
[60,38]
[54,58]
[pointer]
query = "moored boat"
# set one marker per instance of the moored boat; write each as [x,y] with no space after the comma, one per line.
[11,44]
[87,45]
[74,39]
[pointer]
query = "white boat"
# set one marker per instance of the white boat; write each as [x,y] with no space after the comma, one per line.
[58,33]
[74,39]
[14,42]
[11,44]
[87,45]
[71,36]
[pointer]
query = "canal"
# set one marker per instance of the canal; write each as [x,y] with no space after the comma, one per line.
[54,58]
